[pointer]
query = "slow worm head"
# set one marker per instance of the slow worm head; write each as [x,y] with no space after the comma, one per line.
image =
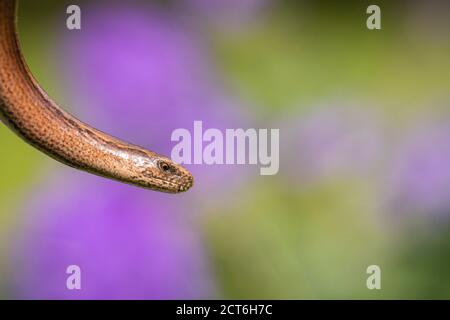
[30,113]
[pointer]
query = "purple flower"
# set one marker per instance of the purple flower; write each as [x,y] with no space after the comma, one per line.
[419,175]
[142,74]
[129,244]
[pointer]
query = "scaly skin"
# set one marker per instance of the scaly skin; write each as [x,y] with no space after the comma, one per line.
[31,114]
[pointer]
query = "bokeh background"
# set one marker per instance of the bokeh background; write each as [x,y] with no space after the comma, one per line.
[365,152]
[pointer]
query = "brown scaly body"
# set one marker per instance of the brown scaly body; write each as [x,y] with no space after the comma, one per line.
[31,114]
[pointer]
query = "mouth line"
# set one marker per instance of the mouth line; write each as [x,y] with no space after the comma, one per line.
[176,186]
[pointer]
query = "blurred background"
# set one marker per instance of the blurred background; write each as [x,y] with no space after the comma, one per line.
[364,123]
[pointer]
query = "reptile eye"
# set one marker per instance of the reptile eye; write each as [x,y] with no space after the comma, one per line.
[164,166]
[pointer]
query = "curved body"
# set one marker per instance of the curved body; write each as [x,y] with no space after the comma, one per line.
[31,114]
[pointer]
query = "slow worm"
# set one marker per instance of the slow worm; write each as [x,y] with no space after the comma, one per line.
[31,114]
